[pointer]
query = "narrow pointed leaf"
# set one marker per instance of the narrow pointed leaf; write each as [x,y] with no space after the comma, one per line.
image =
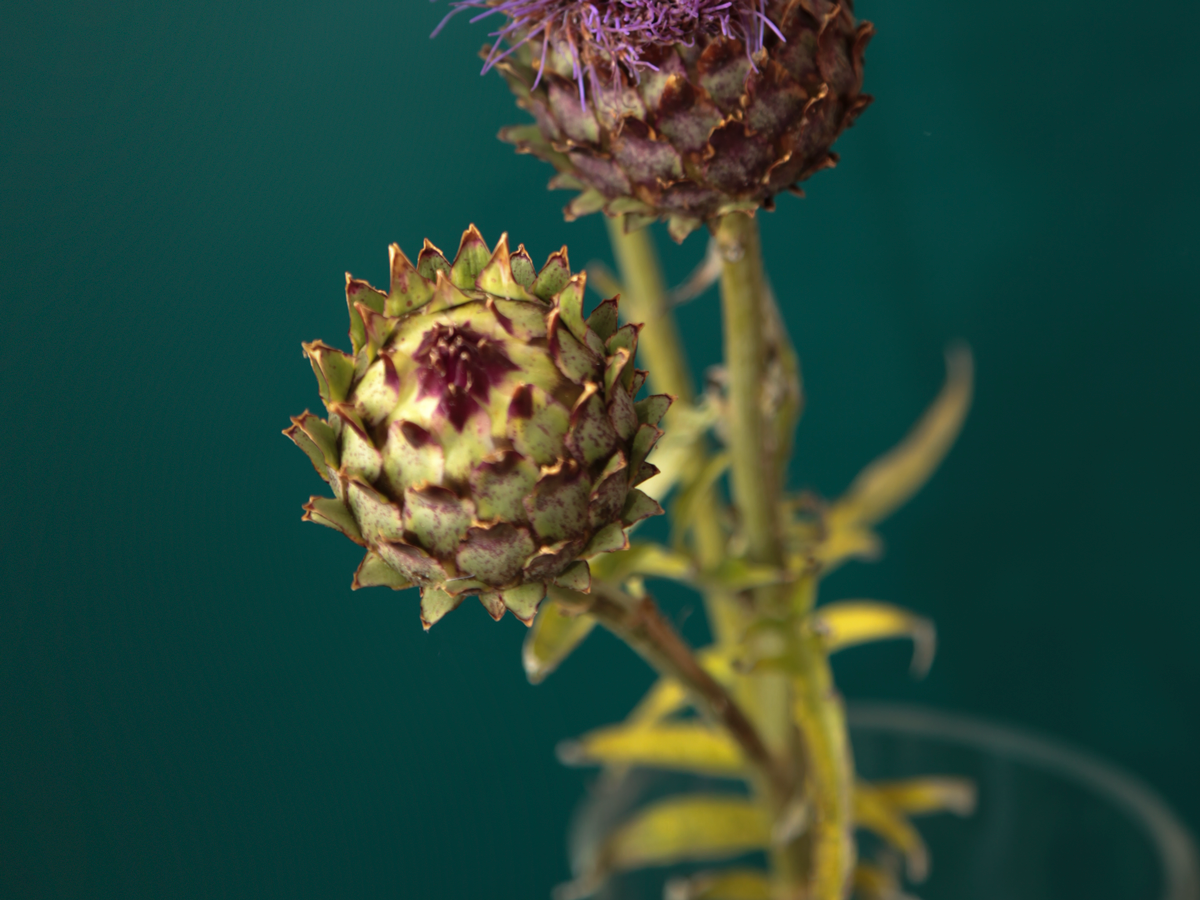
[872,882]
[651,560]
[687,828]
[741,575]
[873,812]
[845,543]
[668,696]
[681,746]
[934,794]
[888,482]
[683,513]
[847,623]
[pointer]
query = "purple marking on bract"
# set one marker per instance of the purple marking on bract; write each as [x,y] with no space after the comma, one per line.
[390,378]
[616,32]
[459,366]
[416,436]
[521,406]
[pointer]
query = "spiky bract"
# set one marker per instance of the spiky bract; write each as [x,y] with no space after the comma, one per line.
[483,437]
[689,130]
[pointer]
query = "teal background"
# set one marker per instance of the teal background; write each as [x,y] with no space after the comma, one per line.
[192,702]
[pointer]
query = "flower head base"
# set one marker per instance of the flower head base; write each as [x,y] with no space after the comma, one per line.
[482,438]
[692,108]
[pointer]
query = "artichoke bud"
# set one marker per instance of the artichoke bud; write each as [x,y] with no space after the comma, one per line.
[655,111]
[482,437]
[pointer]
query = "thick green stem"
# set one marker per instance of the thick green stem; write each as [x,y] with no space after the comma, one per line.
[744,310]
[645,301]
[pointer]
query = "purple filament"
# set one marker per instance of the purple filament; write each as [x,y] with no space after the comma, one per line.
[617,32]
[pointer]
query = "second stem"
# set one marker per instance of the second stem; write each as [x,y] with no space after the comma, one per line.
[743,308]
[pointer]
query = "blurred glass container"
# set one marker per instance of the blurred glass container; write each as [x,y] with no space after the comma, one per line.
[1052,822]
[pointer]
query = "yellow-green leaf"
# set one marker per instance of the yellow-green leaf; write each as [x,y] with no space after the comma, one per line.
[872,882]
[847,623]
[687,828]
[874,813]
[846,543]
[683,511]
[667,696]
[685,746]
[933,794]
[551,639]
[741,575]
[726,884]
[651,560]
[887,483]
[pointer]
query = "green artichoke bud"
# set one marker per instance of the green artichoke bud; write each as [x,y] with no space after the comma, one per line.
[483,437]
[651,123]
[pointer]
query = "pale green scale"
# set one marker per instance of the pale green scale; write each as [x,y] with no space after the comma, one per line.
[374,399]
[534,365]
[499,496]
[540,437]
[407,466]
[438,520]
[467,450]
[359,457]
[376,515]
[526,318]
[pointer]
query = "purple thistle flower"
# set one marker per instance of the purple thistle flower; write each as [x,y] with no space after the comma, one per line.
[615,34]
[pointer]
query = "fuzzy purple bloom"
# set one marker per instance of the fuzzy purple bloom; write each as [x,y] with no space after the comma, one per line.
[604,38]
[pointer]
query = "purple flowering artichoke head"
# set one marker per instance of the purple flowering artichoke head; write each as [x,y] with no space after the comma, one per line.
[482,438]
[681,110]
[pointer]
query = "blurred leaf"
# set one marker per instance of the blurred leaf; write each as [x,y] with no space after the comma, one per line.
[873,812]
[846,543]
[667,696]
[739,575]
[603,280]
[683,746]
[682,510]
[551,639]
[651,560]
[872,882]
[727,884]
[847,623]
[687,828]
[887,483]
[933,794]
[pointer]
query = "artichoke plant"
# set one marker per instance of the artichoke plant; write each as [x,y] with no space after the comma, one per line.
[683,111]
[483,437]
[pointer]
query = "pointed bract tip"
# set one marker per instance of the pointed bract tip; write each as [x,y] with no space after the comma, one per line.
[500,251]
